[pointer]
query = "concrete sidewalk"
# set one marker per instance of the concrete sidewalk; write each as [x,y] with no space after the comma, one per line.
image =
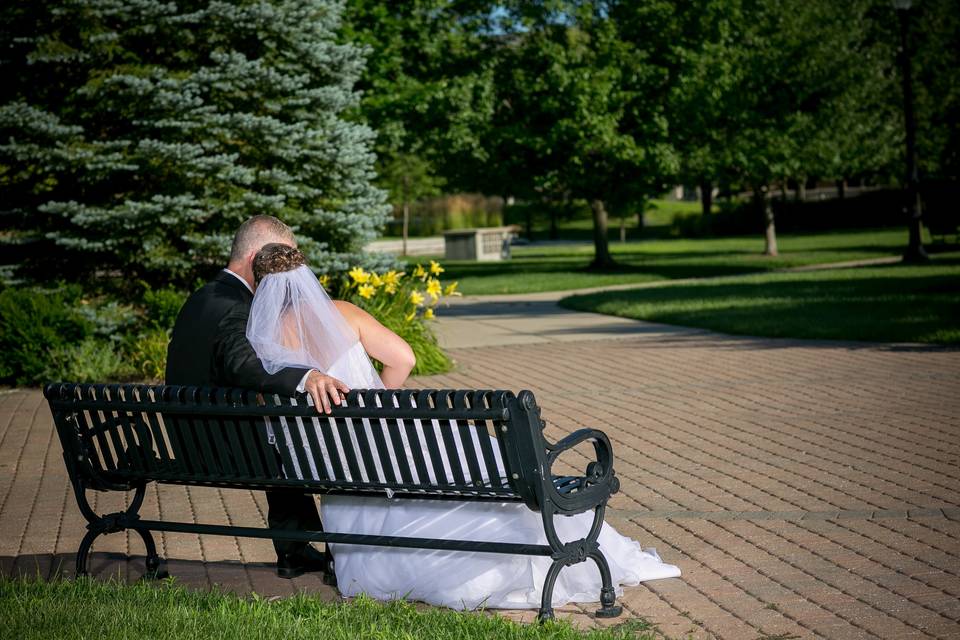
[806,489]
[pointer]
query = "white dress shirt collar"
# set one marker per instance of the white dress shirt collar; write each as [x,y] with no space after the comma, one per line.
[245,283]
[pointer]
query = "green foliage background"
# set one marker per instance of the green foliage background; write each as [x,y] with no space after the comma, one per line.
[136,135]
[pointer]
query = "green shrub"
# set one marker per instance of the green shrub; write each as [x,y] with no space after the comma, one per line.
[430,357]
[90,360]
[161,306]
[34,325]
[109,320]
[148,354]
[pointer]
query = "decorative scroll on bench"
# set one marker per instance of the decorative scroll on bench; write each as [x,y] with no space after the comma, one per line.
[454,445]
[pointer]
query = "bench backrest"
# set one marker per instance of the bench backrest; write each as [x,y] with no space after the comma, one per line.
[424,442]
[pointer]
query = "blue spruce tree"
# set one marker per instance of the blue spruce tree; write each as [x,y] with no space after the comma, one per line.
[137,134]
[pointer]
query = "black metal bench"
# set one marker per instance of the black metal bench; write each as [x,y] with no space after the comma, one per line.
[400,443]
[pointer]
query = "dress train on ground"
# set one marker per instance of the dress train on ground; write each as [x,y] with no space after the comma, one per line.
[468,580]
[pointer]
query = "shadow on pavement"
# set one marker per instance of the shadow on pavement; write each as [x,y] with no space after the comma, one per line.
[233,576]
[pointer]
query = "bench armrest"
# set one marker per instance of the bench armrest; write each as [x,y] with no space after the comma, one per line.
[599,480]
[575,438]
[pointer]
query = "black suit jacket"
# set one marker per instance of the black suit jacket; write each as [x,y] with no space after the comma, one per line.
[209,343]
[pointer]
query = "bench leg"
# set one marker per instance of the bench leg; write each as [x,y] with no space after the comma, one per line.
[156,567]
[546,599]
[608,597]
[83,551]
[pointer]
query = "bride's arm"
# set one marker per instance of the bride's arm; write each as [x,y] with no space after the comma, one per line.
[380,343]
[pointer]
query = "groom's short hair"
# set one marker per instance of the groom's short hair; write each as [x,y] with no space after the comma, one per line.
[258,231]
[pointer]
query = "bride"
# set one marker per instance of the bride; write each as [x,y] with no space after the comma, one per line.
[294,322]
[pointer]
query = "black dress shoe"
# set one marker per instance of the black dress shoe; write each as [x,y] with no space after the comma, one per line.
[309,559]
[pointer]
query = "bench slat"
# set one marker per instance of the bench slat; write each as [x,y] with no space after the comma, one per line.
[97,426]
[342,431]
[433,448]
[467,432]
[311,430]
[158,433]
[95,440]
[360,435]
[296,445]
[221,449]
[282,435]
[199,432]
[403,462]
[336,463]
[489,460]
[384,450]
[232,436]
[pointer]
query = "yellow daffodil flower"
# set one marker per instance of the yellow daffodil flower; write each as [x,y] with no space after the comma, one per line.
[435,268]
[434,288]
[416,298]
[420,272]
[324,281]
[376,280]
[393,277]
[359,275]
[428,314]
[410,316]
[390,288]
[366,291]
[451,290]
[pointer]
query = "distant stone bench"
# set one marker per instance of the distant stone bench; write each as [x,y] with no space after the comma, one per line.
[453,445]
[483,243]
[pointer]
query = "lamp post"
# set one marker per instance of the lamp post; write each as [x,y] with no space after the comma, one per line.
[915,251]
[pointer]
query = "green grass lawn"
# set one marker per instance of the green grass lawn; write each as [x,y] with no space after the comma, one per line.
[895,303]
[66,609]
[564,267]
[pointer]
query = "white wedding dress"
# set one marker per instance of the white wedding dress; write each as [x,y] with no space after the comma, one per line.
[456,579]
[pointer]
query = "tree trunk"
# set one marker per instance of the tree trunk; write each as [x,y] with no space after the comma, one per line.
[770,231]
[706,197]
[842,188]
[406,214]
[623,228]
[554,232]
[801,189]
[601,258]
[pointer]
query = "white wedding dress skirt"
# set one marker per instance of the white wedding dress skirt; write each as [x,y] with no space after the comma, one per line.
[468,580]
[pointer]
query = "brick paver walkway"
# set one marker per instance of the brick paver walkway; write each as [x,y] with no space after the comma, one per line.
[806,490]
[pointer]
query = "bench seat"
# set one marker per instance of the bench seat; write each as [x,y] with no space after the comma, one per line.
[402,444]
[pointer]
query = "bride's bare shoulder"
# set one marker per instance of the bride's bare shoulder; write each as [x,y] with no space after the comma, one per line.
[354,315]
[348,309]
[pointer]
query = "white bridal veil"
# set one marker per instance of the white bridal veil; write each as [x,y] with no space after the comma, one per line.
[294,323]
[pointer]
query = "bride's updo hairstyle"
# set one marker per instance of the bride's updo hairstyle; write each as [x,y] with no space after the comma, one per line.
[276,258]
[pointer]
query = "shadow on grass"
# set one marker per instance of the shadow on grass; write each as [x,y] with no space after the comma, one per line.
[670,265]
[897,303]
[656,267]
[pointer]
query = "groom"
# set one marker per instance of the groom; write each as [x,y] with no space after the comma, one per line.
[209,347]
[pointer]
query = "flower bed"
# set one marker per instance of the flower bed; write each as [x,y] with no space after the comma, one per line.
[65,334]
[405,303]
